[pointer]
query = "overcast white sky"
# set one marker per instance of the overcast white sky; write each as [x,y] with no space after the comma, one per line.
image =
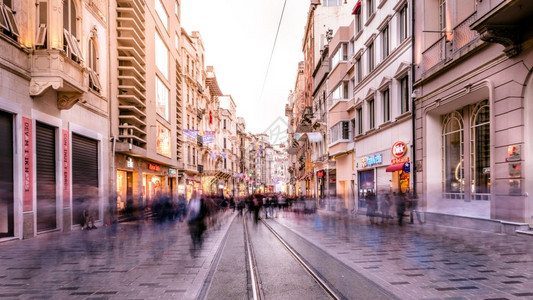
[238,37]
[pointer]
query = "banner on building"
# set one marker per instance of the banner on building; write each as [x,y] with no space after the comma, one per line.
[193,134]
[208,137]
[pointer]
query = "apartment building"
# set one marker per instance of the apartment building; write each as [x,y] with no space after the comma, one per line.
[473,111]
[54,106]
[381,54]
[146,100]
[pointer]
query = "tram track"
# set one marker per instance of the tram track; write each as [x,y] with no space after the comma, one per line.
[254,276]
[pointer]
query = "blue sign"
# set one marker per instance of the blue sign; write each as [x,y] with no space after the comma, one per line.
[375,159]
[407,167]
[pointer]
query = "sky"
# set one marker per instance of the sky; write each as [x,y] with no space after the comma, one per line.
[238,37]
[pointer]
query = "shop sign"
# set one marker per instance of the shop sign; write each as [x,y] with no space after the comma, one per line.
[172,172]
[375,159]
[513,153]
[399,149]
[320,174]
[154,167]
[27,161]
[66,169]
[400,160]
[407,167]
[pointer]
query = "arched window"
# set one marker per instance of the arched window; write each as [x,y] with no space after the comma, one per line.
[480,150]
[69,17]
[92,65]
[453,155]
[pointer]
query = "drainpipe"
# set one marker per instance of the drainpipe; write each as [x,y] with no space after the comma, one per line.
[413,114]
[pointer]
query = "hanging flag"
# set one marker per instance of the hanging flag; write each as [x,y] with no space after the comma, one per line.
[210,117]
[357,8]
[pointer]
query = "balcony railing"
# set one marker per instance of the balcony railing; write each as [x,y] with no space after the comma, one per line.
[435,54]
[463,35]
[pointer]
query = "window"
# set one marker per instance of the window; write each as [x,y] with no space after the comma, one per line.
[359,115]
[358,23]
[161,56]
[371,114]
[7,19]
[42,11]
[224,143]
[352,128]
[404,94]
[359,69]
[92,66]
[340,131]
[70,43]
[224,126]
[369,8]
[442,16]
[386,105]
[193,155]
[189,156]
[340,55]
[341,92]
[162,13]
[403,23]
[480,150]
[161,98]
[163,140]
[177,43]
[370,53]
[177,8]
[385,42]
[453,160]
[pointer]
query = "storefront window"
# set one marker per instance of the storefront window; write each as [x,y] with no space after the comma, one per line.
[366,185]
[480,154]
[453,142]
[163,140]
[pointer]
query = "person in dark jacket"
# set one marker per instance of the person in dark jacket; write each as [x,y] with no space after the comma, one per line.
[196,220]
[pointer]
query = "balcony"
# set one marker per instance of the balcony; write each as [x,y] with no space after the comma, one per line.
[52,68]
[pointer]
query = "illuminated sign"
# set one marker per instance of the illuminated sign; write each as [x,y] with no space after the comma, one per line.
[172,172]
[154,167]
[320,174]
[375,159]
[399,149]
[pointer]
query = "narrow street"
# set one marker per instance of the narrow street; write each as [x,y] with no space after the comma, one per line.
[145,260]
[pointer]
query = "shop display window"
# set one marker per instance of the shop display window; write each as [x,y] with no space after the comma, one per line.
[163,140]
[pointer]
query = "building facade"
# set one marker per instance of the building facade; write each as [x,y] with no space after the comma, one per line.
[473,109]
[54,106]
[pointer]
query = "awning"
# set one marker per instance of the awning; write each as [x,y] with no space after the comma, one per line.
[357,8]
[314,137]
[393,168]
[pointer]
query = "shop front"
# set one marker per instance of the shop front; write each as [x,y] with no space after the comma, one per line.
[400,168]
[192,188]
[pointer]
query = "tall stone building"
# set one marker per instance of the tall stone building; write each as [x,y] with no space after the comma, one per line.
[54,106]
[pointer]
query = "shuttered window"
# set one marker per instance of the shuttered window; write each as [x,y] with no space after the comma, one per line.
[84,176]
[46,177]
[6,176]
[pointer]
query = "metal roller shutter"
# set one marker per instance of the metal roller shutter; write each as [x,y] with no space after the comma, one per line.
[6,176]
[84,176]
[46,177]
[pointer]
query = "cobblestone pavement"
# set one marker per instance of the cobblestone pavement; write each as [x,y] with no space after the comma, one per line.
[138,260]
[424,261]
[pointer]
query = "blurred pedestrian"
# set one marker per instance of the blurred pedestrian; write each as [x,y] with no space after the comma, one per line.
[196,220]
[413,209]
[384,207]
[371,206]
[400,200]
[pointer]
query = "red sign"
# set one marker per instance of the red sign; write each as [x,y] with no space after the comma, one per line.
[27,161]
[399,149]
[320,174]
[153,167]
[400,160]
[66,169]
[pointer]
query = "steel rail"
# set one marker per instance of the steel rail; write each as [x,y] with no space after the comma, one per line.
[313,274]
[256,293]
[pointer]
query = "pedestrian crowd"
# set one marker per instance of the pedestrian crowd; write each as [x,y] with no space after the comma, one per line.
[379,210]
